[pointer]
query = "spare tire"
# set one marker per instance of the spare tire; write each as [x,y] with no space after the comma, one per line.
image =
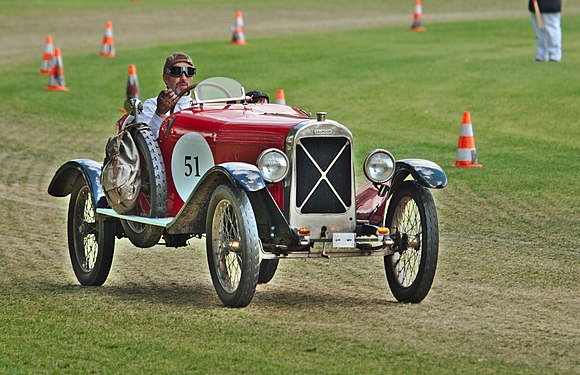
[152,200]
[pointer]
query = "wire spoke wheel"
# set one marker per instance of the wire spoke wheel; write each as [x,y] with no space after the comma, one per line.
[407,220]
[412,219]
[233,246]
[86,232]
[226,246]
[91,241]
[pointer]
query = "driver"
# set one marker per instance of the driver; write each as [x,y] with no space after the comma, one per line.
[178,72]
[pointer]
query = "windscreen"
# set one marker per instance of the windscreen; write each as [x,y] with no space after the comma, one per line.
[219,88]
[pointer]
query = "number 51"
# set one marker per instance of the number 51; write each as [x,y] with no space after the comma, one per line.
[189,167]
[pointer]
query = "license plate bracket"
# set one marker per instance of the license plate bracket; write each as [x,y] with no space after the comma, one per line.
[343,240]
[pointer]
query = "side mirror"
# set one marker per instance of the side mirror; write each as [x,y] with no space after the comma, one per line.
[134,107]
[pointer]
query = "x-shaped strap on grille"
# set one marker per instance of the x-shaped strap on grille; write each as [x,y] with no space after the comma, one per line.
[323,174]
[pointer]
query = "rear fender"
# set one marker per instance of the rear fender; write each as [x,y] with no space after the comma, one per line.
[65,177]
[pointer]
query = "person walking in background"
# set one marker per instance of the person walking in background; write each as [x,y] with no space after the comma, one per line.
[548,39]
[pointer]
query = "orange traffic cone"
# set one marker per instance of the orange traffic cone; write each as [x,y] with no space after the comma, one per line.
[417,24]
[132,85]
[280,97]
[108,46]
[238,36]
[466,155]
[47,56]
[56,80]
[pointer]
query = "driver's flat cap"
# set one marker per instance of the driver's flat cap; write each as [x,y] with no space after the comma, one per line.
[175,58]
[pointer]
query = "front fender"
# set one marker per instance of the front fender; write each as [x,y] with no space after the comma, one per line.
[425,172]
[65,177]
[191,217]
[247,176]
[371,199]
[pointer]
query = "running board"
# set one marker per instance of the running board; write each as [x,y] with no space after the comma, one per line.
[159,222]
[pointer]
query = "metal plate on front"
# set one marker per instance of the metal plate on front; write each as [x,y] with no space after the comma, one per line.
[343,240]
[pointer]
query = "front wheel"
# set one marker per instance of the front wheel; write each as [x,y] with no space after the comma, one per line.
[233,246]
[412,219]
[91,242]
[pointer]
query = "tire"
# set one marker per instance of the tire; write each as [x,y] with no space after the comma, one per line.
[152,200]
[91,242]
[410,271]
[267,270]
[233,246]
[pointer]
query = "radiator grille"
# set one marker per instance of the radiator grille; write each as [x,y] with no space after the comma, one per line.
[323,175]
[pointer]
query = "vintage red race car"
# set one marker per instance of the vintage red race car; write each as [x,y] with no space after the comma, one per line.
[261,182]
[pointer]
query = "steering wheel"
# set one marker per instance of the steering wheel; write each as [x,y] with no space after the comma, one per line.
[182,93]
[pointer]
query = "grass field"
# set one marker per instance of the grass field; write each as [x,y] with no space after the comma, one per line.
[506,294]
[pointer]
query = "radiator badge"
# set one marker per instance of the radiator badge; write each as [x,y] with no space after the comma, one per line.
[323,131]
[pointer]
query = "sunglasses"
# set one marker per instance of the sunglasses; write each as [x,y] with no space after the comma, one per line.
[177,71]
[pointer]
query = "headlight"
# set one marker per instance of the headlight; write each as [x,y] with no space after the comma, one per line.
[273,164]
[379,166]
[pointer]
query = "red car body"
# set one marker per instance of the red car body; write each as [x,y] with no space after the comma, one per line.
[234,133]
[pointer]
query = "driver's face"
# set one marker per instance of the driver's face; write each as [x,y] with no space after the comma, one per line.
[177,84]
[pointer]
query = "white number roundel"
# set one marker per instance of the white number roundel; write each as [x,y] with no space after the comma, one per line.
[191,158]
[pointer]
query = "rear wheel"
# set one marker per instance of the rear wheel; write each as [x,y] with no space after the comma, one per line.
[91,242]
[233,247]
[268,268]
[412,219]
[152,200]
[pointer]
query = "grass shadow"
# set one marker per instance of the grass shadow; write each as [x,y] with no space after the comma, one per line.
[309,298]
[202,295]
[196,294]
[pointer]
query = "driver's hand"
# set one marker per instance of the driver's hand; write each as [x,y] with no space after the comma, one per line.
[165,101]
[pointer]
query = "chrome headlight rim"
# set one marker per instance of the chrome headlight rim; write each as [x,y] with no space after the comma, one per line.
[366,166]
[262,158]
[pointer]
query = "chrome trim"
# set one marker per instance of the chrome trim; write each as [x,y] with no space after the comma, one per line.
[379,150]
[383,248]
[278,152]
[319,223]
